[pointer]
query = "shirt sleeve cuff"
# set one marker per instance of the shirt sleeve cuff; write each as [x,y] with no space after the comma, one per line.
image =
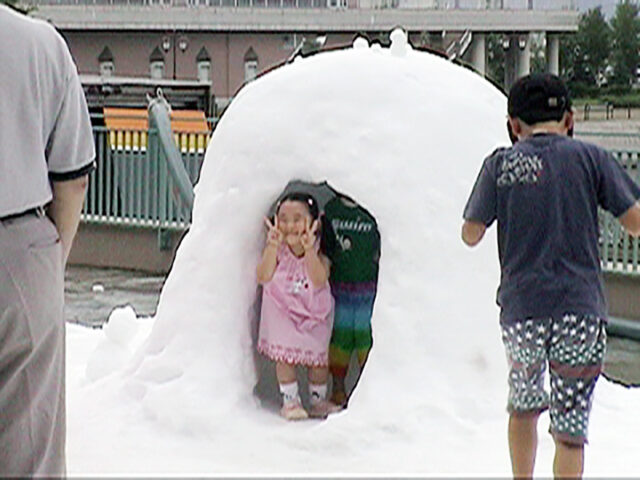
[72,175]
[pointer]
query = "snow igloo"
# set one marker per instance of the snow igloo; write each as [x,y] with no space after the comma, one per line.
[403,132]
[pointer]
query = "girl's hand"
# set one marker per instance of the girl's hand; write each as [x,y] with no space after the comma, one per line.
[274,235]
[308,238]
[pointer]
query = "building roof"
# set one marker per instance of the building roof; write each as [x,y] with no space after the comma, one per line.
[251,55]
[156,55]
[190,121]
[105,55]
[208,19]
[203,55]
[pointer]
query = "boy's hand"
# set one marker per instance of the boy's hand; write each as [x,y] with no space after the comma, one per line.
[274,235]
[308,238]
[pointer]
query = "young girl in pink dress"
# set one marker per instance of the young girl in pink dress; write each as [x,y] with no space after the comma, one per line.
[297,306]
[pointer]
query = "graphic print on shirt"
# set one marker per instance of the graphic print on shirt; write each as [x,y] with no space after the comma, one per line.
[342,226]
[520,168]
[298,284]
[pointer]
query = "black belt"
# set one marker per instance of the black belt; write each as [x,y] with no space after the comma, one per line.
[37,211]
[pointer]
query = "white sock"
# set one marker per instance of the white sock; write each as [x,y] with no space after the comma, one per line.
[289,392]
[318,392]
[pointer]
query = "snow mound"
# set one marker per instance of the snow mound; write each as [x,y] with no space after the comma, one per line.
[404,133]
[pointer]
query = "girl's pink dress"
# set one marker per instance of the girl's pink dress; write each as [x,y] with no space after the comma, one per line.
[296,318]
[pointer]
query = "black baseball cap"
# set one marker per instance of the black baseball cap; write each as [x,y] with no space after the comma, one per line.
[539,97]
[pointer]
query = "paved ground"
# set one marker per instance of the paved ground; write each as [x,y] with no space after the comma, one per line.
[92,293]
[619,132]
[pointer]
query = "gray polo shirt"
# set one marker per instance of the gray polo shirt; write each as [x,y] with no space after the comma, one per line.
[45,131]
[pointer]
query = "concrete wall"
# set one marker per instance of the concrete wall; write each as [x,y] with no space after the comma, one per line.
[623,295]
[130,248]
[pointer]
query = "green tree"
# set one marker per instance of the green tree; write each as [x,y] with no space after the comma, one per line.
[568,56]
[626,28]
[593,43]
[495,58]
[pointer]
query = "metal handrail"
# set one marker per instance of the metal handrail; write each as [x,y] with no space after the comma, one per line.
[159,119]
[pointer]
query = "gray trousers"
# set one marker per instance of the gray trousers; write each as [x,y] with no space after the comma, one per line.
[32,348]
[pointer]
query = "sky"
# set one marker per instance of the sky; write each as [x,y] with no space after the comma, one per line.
[608,6]
[184,393]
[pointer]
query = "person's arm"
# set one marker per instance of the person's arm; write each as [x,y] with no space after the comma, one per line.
[630,220]
[472,232]
[316,263]
[480,211]
[267,266]
[65,208]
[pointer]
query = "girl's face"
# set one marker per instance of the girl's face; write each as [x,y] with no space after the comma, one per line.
[293,218]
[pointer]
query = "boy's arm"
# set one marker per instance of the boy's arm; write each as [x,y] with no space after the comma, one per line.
[472,232]
[480,211]
[630,220]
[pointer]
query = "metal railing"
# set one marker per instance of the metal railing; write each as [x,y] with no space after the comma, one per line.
[335,4]
[132,186]
[619,252]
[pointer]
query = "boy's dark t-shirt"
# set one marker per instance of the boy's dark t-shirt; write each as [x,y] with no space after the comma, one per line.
[356,252]
[544,191]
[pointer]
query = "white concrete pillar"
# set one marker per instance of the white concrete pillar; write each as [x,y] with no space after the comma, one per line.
[479,53]
[553,53]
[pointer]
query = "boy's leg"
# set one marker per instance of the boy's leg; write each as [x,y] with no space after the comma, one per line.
[525,344]
[523,443]
[363,337]
[568,461]
[340,348]
[574,369]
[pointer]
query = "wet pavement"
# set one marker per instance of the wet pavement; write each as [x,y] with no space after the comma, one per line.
[92,293]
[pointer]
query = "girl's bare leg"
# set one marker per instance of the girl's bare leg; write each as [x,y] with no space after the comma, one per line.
[318,375]
[285,372]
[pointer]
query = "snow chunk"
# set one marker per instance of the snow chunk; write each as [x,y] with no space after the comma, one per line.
[360,43]
[399,43]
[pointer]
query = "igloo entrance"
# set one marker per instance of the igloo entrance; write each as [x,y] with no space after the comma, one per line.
[351,240]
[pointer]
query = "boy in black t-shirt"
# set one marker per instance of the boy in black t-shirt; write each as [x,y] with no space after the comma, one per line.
[354,280]
[544,192]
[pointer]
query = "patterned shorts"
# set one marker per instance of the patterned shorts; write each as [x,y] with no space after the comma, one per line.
[573,347]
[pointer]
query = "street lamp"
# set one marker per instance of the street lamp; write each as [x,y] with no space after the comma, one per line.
[181,42]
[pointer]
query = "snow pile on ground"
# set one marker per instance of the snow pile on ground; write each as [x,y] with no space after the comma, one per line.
[404,133]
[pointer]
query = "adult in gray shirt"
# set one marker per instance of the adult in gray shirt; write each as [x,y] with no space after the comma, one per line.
[46,153]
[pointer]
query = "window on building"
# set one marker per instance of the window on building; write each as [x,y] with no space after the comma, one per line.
[289,41]
[107,69]
[204,71]
[250,70]
[157,70]
[250,65]
[105,60]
